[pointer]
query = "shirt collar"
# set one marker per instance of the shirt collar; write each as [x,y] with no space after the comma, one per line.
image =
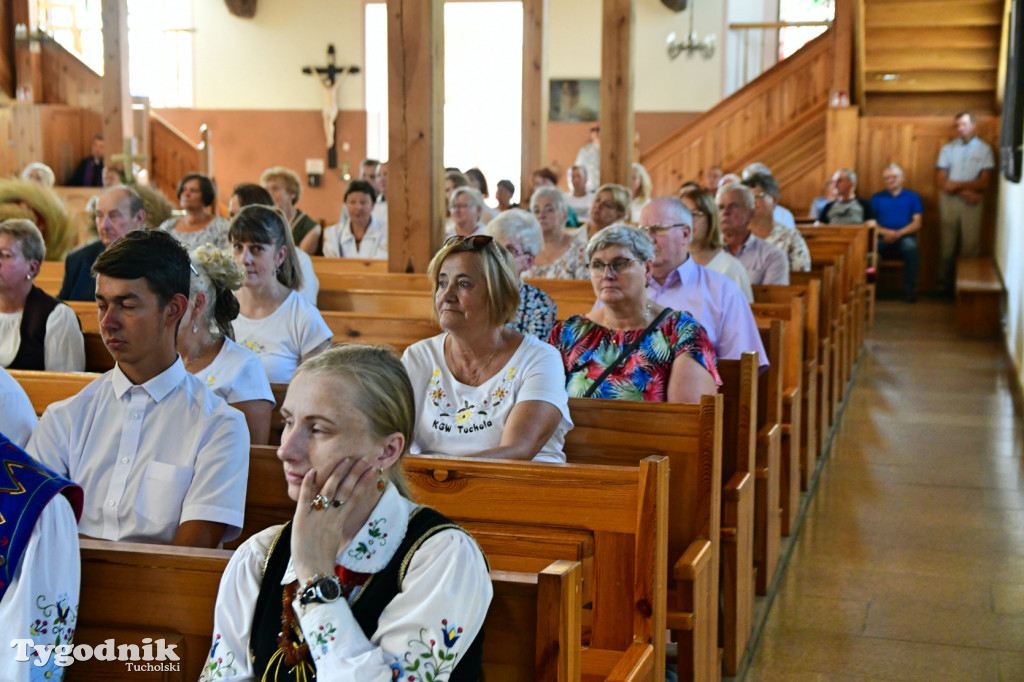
[377,541]
[158,387]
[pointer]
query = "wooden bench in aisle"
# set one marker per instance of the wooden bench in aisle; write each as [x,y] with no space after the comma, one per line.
[44,388]
[767,510]
[979,297]
[824,407]
[612,519]
[134,591]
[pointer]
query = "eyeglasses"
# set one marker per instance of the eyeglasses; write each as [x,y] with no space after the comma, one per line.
[462,207]
[606,206]
[658,228]
[545,210]
[760,195]
[514,250]
[617,265]
[475,243]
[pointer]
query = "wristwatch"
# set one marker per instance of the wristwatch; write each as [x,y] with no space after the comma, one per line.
[323,591]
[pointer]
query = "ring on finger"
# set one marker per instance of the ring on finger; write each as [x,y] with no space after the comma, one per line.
[338,504]
[319,502]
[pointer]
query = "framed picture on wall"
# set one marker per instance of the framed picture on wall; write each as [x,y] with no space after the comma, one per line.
[574,100]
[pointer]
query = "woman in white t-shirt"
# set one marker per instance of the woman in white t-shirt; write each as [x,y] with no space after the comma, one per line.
[275,321]
[206,346]
[482,388]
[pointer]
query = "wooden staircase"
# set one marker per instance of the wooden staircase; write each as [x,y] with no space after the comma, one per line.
[929,56]
[780,118]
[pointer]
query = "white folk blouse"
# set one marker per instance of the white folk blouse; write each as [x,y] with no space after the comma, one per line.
[438,612]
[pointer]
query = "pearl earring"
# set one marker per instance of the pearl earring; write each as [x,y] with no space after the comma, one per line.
[195,327]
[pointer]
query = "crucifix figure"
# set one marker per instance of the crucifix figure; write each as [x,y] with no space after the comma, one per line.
[331,76]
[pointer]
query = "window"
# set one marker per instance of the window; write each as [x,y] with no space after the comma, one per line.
[792,39]
[483,77]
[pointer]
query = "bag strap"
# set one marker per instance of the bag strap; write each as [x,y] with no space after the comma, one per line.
[626,352]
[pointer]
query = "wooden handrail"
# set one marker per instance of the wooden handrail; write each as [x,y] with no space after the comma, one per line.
[776,24]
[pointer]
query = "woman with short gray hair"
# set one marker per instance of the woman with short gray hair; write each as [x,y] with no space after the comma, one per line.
[564,253]
[629,347]
[466,206]
[520,234]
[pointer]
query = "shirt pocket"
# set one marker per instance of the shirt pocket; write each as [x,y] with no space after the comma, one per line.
[162,492]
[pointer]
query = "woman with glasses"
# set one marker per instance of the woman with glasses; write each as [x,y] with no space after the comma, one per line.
[632,348]
[764,225]
[520,234]
[563,255]
[706,243]
[359,234]
[466,206]
[482,388]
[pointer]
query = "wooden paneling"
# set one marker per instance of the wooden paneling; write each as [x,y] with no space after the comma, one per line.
[172,157]
[933,81]
[55,134]
[7,49]
[914,143]
[617,37]
[67,79]
[781,110]
[7,133]
[933,13]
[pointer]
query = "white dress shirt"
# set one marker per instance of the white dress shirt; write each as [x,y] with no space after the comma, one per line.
[45,588]
[339,242]
[447,582]
[148,457]
[727,264]
[17,416]
[63,349]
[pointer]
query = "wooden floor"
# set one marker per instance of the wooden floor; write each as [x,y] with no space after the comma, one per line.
[910,562]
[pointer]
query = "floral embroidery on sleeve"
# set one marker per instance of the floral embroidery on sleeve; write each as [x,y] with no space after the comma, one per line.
[323,636]
[218,666]
[54,626]
[428,661]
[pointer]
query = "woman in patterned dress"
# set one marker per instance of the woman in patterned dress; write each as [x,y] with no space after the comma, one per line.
[674,362]
[519,232]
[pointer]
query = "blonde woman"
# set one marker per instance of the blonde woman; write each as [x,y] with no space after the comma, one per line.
[641,186]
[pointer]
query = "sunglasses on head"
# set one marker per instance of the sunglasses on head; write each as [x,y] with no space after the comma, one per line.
[475,243]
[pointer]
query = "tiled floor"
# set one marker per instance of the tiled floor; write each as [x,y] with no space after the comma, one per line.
[910,563]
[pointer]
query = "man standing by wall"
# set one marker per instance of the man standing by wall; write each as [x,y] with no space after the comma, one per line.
[963,172]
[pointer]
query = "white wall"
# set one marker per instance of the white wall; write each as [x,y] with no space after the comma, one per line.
[256,63]
[1010,255]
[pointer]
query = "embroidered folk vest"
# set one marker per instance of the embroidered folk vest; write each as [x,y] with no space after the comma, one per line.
[376,593]
[26,487]
[32,351]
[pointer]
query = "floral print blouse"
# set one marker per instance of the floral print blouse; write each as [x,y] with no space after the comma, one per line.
[536,313]
[587,349]
[572,264]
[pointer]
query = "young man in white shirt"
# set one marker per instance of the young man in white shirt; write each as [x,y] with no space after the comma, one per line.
[159,456]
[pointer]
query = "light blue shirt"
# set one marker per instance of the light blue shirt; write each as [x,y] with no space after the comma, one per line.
[964,161]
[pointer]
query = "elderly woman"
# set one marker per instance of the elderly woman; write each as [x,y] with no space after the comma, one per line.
[482,388]
[764,225]
[39,173]
[466,206]
[362,583]
[207,347]
[36,330]
[248,193]
[641,184]
[200,225]
[478,182]
[706,243]
[286,189]
[275,321]
[563,255]
[632,348]
[359,234]
[520,234]
[611,205]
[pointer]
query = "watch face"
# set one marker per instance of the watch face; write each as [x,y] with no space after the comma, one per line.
[330,589]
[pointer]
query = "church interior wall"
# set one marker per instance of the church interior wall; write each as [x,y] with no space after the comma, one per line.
[1010,254]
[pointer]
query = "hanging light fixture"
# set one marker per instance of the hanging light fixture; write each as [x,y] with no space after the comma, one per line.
[690,43]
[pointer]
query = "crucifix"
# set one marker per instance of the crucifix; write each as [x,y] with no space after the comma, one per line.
[331,77]
[129,157]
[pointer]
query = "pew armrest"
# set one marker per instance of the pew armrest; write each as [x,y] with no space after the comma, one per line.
[693,561]
[636,664]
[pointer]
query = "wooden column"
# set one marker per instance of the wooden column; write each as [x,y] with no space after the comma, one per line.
[842,134]
[28,70]
[842,35]
[416,133]
[118,124]
[617,91]
[7,60]
[535,90]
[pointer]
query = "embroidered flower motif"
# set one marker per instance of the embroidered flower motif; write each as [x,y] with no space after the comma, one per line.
[434,390]
[426,661]
[255,346]
[365,550]
[210,381]
[464,413]
[323,636]
[218,667]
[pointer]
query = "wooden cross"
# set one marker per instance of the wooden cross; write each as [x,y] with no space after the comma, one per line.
[128,158]
[328,78]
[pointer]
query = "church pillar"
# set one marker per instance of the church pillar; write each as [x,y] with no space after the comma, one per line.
[118,124]
[28,68]
[416,206]
[535,90]
[617,33]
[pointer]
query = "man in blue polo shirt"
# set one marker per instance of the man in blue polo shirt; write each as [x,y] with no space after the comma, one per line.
[898,214]
[963,172]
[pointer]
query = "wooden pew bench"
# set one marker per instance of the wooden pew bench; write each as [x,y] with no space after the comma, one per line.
[767,509]
[133,591]
[979,297]
[508,505]
[44,388]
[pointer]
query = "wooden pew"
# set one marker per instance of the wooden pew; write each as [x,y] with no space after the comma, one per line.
[132,591]
[322,264]
[810,422]
[50,277]
[791,313]
[44,388]
[769,453]
[690,436]
[826,348]
[979,297]
[614,520]
[739,456]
